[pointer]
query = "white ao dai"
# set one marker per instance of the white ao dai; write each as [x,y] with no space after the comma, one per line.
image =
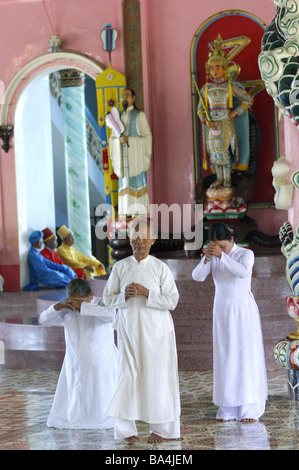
[238,352]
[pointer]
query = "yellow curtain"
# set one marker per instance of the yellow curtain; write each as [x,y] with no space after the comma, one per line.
[109,86]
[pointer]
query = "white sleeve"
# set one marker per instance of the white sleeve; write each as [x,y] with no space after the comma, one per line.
[140,147]
[168,296]
[202,270]
[240,268]
[116,155]
[52,317]
[112,296]
[99,310]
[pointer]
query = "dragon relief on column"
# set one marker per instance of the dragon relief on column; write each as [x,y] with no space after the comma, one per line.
[278,60]
[279,66]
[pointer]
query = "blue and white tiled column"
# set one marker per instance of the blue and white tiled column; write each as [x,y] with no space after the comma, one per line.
[73,108]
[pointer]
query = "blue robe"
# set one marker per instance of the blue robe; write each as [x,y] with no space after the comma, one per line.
[44,273]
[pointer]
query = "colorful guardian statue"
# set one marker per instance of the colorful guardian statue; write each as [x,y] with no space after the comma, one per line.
[223,110]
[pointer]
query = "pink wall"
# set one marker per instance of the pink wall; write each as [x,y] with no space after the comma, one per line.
[168,27]
[291,143]
[26,27]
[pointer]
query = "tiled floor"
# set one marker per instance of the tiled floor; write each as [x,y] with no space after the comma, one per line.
[26,397]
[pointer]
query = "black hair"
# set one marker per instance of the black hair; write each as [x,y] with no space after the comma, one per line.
[78,287]
[221,231]
[133,94]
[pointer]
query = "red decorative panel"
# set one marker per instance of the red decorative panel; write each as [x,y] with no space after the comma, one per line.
[11,275]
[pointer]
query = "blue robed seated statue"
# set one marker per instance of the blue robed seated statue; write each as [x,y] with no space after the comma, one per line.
[43,273]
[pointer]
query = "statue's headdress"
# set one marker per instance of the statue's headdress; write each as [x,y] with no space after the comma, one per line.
[218,54]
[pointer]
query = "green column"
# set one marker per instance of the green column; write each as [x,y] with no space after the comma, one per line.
[73,108]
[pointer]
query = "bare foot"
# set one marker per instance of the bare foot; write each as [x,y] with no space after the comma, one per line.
[155,438]
[221,420]
[131,440]
[248,420]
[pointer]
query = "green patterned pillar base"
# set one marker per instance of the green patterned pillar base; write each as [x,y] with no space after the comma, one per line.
[73,106]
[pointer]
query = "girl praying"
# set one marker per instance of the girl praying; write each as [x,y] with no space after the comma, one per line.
[239,372]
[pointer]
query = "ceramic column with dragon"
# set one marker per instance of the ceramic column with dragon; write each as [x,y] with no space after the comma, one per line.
[278,63]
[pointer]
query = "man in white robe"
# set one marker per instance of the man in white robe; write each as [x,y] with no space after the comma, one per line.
[88,376]
[131,157]
[143,289]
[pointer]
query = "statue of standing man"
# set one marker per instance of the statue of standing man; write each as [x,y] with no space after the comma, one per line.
[131,156]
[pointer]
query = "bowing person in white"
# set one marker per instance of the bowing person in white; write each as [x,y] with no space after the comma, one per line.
[88,376]
[240,383]
[143,289]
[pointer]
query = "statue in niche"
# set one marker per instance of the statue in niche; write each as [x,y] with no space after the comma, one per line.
[230,133]
[231,139]
[226,133]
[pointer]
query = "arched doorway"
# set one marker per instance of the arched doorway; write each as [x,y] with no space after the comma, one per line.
[15,97]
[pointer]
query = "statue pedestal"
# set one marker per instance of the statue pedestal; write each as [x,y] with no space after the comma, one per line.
[218,204]
[120,243]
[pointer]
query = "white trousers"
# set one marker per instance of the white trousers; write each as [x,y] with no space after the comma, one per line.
[253,411]
[125,428]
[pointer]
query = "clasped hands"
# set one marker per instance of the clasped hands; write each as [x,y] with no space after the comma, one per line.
[134,289]
[72,303]
[212,249]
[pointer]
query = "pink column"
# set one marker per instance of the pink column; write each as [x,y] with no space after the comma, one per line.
[9,246]
[291,143]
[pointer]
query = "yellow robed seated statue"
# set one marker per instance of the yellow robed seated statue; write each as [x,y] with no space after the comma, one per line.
[74,258]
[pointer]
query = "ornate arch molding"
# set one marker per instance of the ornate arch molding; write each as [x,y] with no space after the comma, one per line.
[47,62]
